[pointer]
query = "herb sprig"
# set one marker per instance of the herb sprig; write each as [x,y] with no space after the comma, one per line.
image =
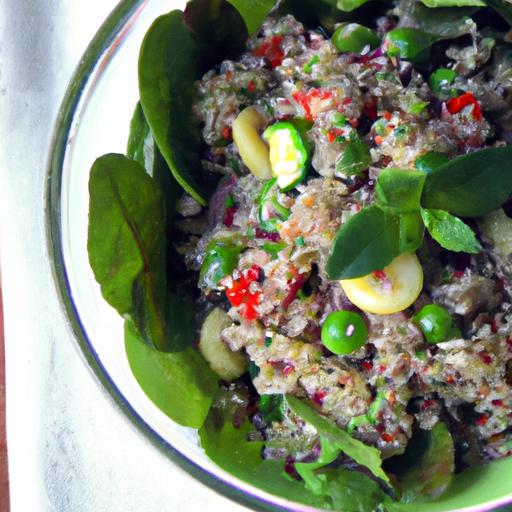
[408,201]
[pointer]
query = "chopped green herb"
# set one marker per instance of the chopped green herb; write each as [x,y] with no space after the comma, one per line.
[299,241]
[309,66]
[418,107]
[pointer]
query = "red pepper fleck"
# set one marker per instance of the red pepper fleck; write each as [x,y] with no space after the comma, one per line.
[226,132]
[229,215]
[427,404]
[497,403]
[382,368]
[239,295]
[387,437]
[251,87]
[482,420]
[485,357]
[335,132]
[271,49]
[295,286]
[304,99]
[289,368]
[387,115]
[450,379]
[347,101]
[380,275]
[458,273]
[455,105]
[319,396]
[367,365]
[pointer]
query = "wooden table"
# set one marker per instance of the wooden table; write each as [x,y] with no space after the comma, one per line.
[4,487]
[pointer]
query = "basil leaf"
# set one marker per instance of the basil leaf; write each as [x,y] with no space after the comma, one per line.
[368,241]
[180,384]
[227,445]
[426,468]
[367,456]
[454,3]
[126,243]
[430,161]
[354,160]
[253,12]
[450,232]
[471,185]
[399,190]
[411,231]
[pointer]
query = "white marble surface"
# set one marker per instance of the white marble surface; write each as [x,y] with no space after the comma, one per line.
[70,447]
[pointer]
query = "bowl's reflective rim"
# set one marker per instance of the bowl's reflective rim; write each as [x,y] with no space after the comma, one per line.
[90,66]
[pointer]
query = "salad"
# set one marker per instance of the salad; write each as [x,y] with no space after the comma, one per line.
[310,240]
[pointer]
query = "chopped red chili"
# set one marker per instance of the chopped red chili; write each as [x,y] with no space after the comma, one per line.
[251,87]
[497,402]
[319,396]
[229,215]
[240,295]
[226,132]
[271,49]
[458,273]
[304,99]
[482,420]
[455,105]
[380,275]
[387,437]
[485,357]
[367,365]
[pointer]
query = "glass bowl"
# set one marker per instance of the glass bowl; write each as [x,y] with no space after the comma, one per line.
[94,119]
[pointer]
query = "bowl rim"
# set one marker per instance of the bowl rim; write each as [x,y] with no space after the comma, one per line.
[120,19]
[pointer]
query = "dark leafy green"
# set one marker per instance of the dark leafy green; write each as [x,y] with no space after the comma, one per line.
[399,190]
[450,232]
[368,241]
[426,468]
[227,446]
[168,66]
[181,384]
[126,244]
[367,456]
[471,185]
[140,145]
[272,407]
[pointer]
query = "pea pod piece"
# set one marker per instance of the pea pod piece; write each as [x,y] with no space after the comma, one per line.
[353,37]
[409,44]
[271,212]
[220,260]
[289,155]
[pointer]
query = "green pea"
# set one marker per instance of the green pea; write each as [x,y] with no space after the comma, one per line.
[352,37]
[440,81]
[343,332]
[436,323]
[409,44]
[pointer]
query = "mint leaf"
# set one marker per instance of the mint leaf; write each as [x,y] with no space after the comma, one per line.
[450,232]
[368,241]
[354,160]
[471,185]
[180,384]
[399,190]
[367,456]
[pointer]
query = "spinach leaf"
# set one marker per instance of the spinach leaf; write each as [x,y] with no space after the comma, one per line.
[180,384]
[227,445]
[454,3]
[368,241]
[355,159]
[168,67]
[471,185]
[399,190]
[367,456]
[450,232]
[253,12]
[426,467]
[126,243]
